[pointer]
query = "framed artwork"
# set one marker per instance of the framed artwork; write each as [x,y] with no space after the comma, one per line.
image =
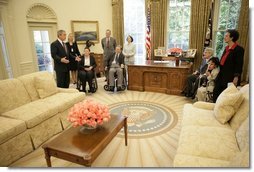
[191,53]
[158,52]
[85,30]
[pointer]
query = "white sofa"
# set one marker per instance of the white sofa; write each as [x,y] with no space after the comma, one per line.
[216,135]
[32,110]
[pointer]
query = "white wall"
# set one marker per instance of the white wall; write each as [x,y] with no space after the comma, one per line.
[65,10]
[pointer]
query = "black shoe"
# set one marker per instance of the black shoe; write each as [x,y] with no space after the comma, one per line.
[119,88]
[188,95]
[111,88]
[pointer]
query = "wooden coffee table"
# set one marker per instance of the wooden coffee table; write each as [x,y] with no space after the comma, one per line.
[73,146]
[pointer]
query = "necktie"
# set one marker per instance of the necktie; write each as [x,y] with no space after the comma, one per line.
[65,47]
[117,57]
[107,43]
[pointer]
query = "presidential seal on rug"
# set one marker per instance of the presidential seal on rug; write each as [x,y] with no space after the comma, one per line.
[145,119]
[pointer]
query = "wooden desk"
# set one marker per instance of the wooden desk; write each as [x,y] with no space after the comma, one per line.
[73,146]
[158,76]
[100,65]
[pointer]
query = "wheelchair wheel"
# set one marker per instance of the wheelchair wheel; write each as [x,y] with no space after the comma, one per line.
[106,87]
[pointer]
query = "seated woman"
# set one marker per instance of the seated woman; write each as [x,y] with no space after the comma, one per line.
[211,73]
[86,70]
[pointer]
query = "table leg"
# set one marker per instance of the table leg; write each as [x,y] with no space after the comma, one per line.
[47,157]
[125,130]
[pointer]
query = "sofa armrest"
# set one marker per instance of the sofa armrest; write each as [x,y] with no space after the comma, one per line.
[204,105]
[67,90]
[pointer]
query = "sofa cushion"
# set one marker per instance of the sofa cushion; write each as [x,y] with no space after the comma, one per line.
[12,95]
[45,85]
[200,117]
[10,128]
[243,112]
[208,142]
[33,113]
[227,104]
[63,101]
[29,83]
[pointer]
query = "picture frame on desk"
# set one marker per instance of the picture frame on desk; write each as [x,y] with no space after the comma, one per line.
[190,53]
[85,30]
[158,52]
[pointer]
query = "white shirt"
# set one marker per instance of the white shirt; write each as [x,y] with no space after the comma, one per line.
[114,61]
[60,41]
[87,61]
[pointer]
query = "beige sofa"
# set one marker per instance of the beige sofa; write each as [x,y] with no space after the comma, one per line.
[32,110]
[216,135]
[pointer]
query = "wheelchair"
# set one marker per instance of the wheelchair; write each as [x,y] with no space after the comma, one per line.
[124,84]
[94,81]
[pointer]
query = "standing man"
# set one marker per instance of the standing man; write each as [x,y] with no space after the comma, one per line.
[108,45]
[60,55]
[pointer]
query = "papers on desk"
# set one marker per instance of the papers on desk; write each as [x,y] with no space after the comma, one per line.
[159,61]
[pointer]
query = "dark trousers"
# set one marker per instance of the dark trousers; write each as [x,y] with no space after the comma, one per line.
[218,88]
[193,82]
[86,76]
[189,87]
[63,79]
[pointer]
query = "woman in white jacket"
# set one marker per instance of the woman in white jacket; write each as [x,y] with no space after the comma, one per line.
[129,50]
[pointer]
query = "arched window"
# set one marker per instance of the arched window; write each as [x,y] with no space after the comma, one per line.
[42,26]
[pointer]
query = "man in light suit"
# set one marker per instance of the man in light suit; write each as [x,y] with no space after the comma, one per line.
[60,55]
[115,64]
[108,45]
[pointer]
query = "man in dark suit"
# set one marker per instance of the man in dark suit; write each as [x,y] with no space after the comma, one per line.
[108,45]
[197,77]
[231,64]
[60,55]
[115,64]
[86,70]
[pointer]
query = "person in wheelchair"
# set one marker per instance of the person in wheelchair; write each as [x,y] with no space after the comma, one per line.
[205,92]
[115,64]
[86,67]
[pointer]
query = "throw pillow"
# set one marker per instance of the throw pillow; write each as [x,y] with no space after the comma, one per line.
[45,85]
[227,104]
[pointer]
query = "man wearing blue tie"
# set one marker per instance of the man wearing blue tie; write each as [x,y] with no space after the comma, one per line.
[115,64]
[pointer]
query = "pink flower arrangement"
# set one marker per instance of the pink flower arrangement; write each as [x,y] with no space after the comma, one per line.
[88,112]
[175,50]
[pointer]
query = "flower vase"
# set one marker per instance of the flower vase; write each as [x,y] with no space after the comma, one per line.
[87,129]
[177,60]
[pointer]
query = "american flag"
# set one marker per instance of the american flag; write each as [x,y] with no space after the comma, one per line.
[209,32]
[148,33]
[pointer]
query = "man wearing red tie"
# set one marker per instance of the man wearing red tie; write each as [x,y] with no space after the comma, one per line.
[108,44]
[60,55]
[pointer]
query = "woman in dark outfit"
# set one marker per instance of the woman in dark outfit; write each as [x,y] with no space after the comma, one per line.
[231,64]
[86,70]
[73,53]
